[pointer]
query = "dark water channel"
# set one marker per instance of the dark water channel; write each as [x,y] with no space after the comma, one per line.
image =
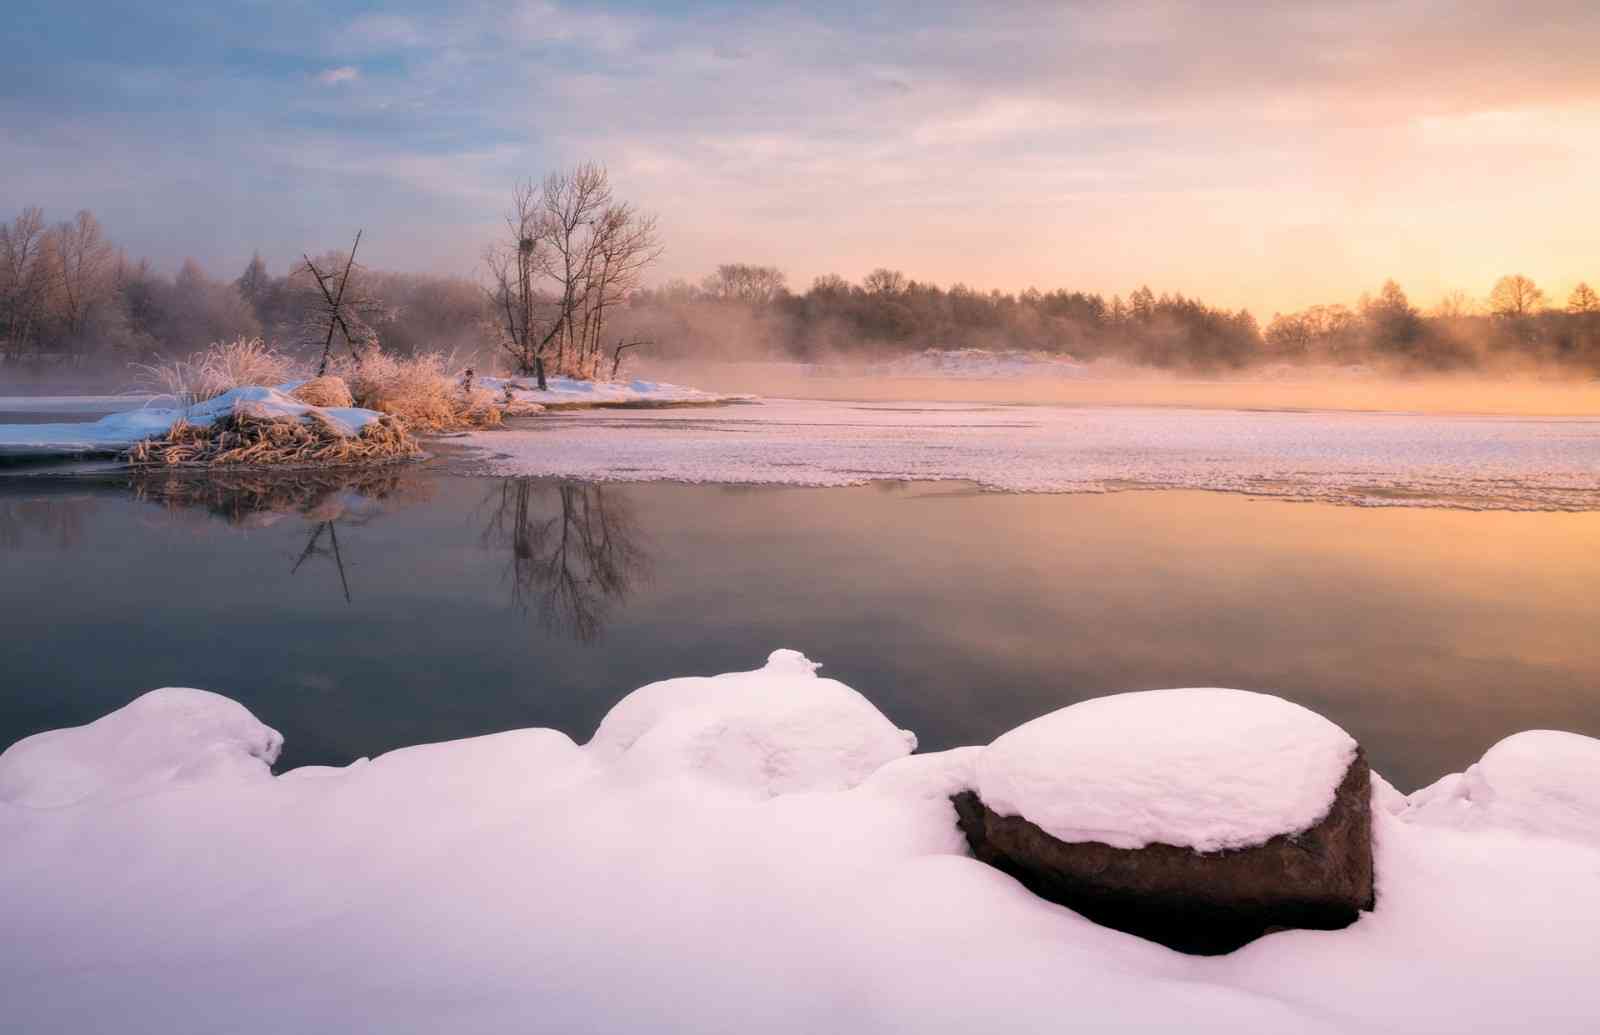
[398,608]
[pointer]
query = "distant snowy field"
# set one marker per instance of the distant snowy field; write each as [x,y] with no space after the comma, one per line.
[1363,458]
[753,852]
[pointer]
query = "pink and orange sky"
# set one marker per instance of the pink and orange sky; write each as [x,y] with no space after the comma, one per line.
[1260,155]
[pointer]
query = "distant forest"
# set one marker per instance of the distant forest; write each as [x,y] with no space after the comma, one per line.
[69,295]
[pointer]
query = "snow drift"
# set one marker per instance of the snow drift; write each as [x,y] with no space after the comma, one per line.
[730,854]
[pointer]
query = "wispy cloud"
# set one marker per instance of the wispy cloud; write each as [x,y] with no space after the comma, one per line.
[1092,144]
[335,76]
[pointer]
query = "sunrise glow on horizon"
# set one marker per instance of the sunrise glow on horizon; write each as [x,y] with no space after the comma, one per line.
[1260,158]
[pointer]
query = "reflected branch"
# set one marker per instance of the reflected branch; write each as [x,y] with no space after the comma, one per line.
[576,551]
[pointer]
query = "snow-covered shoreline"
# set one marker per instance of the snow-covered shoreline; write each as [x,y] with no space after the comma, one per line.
[569,393]
[120,431]
[138,418]
[754,851]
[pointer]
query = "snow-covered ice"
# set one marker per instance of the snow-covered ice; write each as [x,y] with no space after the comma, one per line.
[985,363]
[1366,458]
[122,430]
[1207,769]
[520,882]
[572,393]
[72,403]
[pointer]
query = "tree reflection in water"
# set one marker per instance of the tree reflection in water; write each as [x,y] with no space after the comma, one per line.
[576,551]
[63,519]
[326,499]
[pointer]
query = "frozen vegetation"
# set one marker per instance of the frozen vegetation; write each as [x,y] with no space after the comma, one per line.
[119,431]
[1366,458]
[750,852]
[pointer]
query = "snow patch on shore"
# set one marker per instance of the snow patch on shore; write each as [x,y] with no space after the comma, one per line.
[1538,782]
[572,393]
[519,882]
[119,431]
[173,734]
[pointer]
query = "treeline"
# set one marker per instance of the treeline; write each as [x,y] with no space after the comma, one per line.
[68,293]
[887,311]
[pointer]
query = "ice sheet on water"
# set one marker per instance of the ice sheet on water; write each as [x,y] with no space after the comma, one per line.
[1376,459]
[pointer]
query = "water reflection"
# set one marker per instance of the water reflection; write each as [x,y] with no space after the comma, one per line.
[62,519]
[257,498]
[576,551]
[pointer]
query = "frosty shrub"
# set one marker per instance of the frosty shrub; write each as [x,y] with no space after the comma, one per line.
[222,367]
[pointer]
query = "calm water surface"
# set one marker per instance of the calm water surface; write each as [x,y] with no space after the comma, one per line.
[427,606]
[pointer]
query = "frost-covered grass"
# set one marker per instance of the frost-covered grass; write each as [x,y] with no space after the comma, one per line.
[748,852]
[222,367]
[424,390]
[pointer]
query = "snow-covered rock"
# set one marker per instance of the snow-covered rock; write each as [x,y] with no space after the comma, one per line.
[169,735]
[1537,782]
[778,730]
[1207,769]
[1200,819]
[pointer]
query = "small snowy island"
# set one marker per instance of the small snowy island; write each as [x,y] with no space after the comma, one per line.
[759,851]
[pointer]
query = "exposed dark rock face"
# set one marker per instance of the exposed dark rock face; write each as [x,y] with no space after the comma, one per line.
[1205,904]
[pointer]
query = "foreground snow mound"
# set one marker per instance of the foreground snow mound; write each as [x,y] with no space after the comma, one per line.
[168,735]
[777,730]
[1207,769]
[514,883]
[122,430]
[1538,782]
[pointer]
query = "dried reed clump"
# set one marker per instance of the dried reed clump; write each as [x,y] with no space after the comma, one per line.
[324,391]
[423,391]
[250,436]
[222,367]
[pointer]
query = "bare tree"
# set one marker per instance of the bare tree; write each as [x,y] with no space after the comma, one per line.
[84,265]
[24,278]
[882,281]
[1515,296]
[1455,305]
[343,308]
[743,282]
[1583,300]
[571,253]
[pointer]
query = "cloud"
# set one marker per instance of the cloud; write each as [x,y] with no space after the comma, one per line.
[342,74]
[1093,144]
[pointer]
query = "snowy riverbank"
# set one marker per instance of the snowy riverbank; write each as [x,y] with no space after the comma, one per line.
[748,852]
[138,419]
[119,431]
[571,393]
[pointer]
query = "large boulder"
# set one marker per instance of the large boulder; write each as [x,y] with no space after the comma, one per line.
[1200,819]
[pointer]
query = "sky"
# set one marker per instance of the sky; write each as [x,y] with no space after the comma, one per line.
[1268,156]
